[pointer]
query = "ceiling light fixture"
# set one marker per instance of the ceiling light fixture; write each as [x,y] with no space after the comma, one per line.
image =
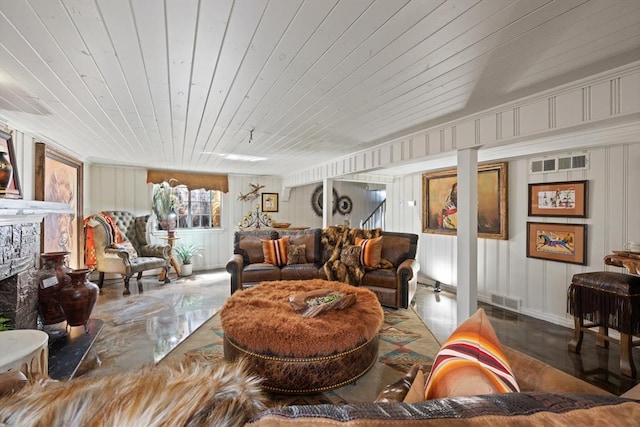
[237,157]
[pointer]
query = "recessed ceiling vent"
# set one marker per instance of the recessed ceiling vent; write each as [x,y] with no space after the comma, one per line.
[559,163]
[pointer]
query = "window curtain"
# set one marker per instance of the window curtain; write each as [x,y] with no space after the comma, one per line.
[193,181]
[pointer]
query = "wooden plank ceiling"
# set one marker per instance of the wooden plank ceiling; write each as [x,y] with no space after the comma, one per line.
[181,84]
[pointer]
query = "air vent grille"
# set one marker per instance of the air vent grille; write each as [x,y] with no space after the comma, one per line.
[560,163]
[506,302]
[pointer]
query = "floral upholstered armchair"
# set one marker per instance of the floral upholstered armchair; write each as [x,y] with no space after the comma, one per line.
[116,242]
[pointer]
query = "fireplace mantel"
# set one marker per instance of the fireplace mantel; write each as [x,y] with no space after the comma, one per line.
[13,211]
[20,222]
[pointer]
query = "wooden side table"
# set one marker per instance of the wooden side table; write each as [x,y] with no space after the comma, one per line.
[170,240]
[629,260]
[25,350]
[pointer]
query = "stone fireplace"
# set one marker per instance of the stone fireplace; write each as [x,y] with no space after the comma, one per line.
[20,224]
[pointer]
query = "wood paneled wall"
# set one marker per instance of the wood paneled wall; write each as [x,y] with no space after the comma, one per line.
[503,268]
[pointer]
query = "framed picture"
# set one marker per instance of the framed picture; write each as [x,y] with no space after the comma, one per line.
[567,199]
[269,202]
[440,200]
[557,242]
[59,179]
[8,169]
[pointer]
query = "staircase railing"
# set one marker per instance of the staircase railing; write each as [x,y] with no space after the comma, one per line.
[377,218]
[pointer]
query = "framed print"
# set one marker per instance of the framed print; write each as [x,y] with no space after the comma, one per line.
[440,199]
[59,179]
[269,202]
[9,180]
[557,242]
[567,199]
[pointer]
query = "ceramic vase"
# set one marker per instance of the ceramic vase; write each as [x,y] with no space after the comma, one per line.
[6,170]
[78,299]
[51,278]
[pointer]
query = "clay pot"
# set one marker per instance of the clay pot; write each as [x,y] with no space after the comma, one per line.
[6,170]
[51,278]
[78,299]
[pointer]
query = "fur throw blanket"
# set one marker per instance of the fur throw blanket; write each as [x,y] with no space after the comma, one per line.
[337,237]
[223,394]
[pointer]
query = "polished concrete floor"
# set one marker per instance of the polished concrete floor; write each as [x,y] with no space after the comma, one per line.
[542,340]
[141,328]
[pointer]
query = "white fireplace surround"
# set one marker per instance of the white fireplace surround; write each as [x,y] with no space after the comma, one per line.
[17,211]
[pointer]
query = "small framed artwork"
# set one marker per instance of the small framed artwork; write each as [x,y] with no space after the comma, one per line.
[9,180]
[269,202]
[440,202]
[59,179]
[566,199]
[557,242]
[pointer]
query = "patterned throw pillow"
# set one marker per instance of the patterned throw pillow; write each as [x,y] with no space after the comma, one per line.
[275,251]
[297,254]
[126,246]
[350,255]
[471,362]
[371,251]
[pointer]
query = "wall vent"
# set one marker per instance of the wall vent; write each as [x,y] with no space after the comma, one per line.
[543,165]
[573,162]
[506,302]
[559,163]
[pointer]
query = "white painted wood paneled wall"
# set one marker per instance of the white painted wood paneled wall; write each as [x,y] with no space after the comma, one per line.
[125,188]
[503,268]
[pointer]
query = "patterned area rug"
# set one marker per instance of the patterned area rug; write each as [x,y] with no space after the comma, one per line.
[404,340]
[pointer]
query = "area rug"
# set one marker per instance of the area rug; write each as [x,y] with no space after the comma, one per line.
[404,340]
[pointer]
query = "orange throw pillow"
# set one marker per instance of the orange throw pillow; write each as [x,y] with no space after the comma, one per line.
[275,251]
[371,251]
[471,362]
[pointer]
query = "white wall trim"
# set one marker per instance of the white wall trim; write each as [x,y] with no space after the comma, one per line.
[528,118]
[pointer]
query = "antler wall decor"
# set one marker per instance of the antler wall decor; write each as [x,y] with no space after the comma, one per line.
[251,195]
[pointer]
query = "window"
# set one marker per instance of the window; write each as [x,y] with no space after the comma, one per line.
[194,208]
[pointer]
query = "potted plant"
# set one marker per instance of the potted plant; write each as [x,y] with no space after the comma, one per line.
[164,202]
[186,253]
[4,324]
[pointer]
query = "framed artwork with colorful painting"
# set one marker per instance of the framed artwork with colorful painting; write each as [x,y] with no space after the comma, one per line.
[59,179]
[557,242]
[440,202]
[564,199]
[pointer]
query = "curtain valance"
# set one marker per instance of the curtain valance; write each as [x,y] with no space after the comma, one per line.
[193,181]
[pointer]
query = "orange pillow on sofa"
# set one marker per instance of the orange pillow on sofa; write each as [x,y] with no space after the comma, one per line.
[470,362]
[275,251]
[371,251]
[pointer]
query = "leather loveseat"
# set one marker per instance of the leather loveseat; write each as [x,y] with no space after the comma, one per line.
[395,284]
[221,394]
[548,396]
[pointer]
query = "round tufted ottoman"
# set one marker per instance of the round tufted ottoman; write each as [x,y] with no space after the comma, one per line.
[294,354]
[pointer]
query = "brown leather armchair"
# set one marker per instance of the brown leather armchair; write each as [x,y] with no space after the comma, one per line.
[110,258]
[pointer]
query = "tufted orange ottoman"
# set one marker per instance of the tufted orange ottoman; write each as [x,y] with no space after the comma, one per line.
[295,354]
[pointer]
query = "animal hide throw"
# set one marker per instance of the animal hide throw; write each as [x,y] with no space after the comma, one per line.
[173,395]
[334,239]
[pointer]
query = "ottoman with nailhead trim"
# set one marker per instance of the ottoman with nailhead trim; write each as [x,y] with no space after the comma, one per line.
[294,354]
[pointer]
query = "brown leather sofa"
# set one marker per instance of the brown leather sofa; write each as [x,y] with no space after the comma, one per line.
[548,396]
[394,287]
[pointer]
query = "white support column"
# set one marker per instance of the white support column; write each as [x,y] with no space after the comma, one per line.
[467,267]
[327,202]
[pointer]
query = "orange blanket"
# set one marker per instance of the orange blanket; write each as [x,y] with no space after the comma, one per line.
[89,240]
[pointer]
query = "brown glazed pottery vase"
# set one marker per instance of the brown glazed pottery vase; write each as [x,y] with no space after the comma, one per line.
[78,299]
[51,278]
